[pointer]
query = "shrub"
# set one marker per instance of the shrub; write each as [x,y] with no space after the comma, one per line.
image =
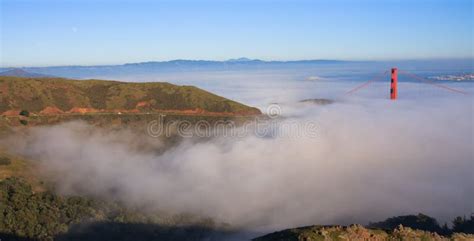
[25,113]
[5,161]
[420,221]
[464,225]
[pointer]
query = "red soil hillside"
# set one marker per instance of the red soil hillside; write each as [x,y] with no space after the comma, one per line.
[53,96]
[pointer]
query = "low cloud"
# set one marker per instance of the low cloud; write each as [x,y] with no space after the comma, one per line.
[371,159]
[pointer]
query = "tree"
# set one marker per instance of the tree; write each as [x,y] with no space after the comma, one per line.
[420,221]
[25,113]
[463,225]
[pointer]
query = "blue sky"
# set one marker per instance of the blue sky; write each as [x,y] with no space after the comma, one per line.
[68,32]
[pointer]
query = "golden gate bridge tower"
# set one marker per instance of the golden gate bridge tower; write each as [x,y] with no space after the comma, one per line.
[394,83]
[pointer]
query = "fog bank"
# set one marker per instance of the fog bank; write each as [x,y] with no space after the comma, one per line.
[371,159]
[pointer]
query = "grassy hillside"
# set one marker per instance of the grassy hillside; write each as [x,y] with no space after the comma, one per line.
[12,165]
[56,95]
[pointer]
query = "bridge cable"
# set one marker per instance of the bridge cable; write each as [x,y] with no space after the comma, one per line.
[427,81]
[365,84]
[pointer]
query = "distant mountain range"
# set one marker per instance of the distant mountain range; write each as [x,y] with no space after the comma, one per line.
[227,63]
[24,74]
[161,66]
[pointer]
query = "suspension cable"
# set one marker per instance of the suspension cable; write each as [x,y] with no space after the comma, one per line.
[427,81]
[365,84]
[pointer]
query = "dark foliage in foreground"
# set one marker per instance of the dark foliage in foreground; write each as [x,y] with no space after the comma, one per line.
[25,215]
[38,215]
[139,231]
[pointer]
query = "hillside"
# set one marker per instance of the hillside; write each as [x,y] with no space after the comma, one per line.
[358,233]
[58,96]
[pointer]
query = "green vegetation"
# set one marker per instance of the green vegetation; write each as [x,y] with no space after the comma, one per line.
[61,95]
[25,113]
[42,215]
[25,214]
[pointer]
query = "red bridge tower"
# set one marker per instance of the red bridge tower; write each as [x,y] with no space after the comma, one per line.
[393,84]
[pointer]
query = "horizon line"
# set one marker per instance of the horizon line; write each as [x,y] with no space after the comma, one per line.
[241,60]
